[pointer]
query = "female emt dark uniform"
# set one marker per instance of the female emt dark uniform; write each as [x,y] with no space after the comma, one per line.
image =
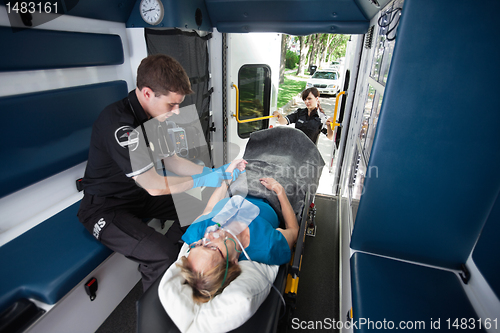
[311,125]
[114,206]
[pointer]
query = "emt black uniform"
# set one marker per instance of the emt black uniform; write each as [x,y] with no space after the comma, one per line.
[114,207]
[311,125]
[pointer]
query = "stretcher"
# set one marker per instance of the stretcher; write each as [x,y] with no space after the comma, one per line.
[264,313]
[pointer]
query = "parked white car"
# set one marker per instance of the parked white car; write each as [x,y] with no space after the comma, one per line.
[327,81]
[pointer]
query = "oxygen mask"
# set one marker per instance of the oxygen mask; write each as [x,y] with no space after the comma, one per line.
[213,233]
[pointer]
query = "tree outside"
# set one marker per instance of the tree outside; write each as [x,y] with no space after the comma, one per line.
[319,50]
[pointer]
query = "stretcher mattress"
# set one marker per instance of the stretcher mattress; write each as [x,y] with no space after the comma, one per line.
[287,155]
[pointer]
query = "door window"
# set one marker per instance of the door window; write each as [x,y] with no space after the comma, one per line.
[254,83]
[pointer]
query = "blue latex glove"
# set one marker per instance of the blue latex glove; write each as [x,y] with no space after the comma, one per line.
[236,172]
[207,170]
[212,179]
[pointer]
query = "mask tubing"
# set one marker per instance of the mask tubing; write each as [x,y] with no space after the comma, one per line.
[255,266]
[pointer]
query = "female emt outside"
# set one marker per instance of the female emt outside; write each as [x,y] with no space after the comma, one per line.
[312,119]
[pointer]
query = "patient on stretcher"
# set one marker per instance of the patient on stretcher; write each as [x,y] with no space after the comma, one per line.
[271,192]
[232,229]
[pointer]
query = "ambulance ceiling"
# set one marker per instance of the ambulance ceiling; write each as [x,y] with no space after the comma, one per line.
[295,17]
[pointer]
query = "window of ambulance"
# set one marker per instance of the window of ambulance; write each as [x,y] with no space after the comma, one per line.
[254,83]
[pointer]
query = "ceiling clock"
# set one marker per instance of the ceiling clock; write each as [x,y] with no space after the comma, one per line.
[151,11]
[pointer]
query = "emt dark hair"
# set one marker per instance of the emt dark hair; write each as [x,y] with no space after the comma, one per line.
[206,285]
[163,74]
[315,93]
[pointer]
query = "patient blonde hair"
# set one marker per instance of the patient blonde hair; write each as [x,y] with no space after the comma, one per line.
[207,285]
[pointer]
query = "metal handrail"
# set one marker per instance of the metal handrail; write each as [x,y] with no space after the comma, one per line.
[238,107]
[334,123]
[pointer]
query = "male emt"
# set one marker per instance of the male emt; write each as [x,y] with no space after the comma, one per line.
[120,194]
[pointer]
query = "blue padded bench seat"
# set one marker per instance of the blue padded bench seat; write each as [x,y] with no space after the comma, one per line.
[49,260]
[485,254]
[391,290]
[52,128]
[50,49]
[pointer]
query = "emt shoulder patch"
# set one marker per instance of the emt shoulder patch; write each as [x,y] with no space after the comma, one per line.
[127,137]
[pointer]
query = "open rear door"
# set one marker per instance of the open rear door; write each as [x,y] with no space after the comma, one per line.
[252,62]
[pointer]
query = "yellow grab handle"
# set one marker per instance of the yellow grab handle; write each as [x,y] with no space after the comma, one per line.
[334,123]
[238,106]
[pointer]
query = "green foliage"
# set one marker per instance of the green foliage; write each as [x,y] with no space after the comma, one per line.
[289,89]
[339,46]
[291,59]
